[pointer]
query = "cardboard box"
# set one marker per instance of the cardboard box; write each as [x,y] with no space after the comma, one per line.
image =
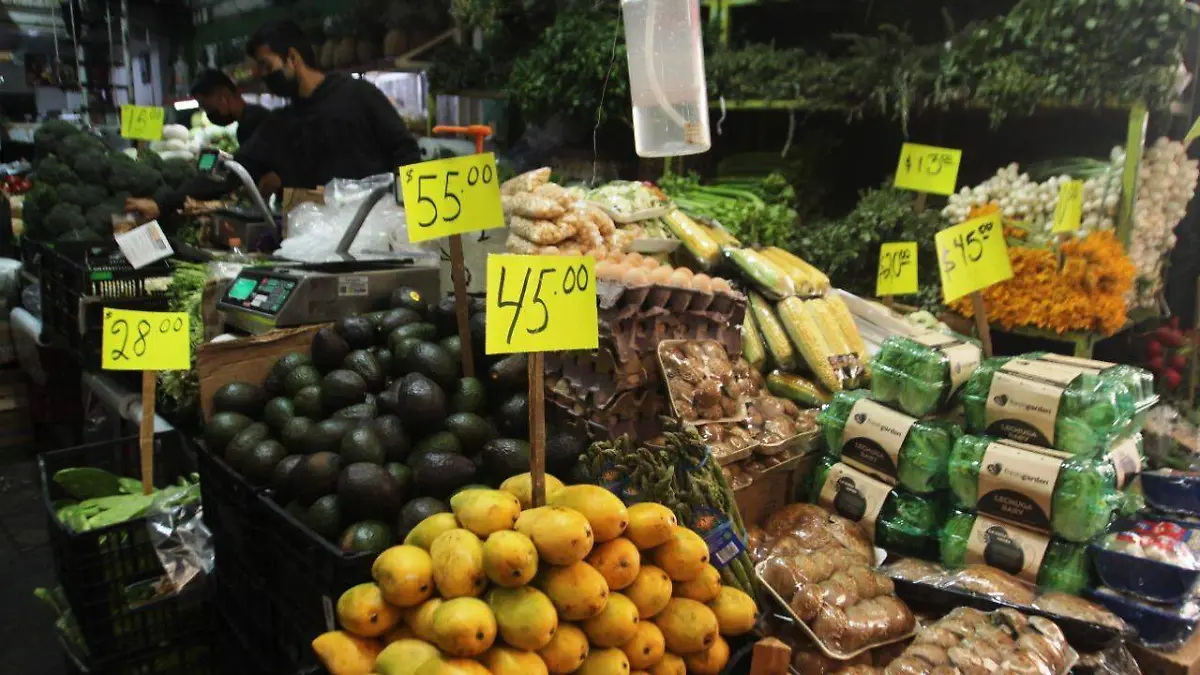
[246,359]
[1184,661]
[774,489]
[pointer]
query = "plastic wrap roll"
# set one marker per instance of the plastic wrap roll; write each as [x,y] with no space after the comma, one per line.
[1062,565]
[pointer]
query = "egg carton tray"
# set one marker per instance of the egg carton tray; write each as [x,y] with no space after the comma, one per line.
[617,301]
[636,337]
[597,377]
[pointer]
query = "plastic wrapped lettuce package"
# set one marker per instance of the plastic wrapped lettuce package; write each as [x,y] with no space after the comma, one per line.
[1054,564]
[887,444]
[1047,404]
[1070,496]
[1139,381]
[898,521]
[919,375]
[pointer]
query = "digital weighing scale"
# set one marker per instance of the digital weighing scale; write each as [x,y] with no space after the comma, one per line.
[261,299]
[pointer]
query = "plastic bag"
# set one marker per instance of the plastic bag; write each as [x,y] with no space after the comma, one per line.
[920,374]
[1050,563]
[970,641]
[1172,440]
[181,540]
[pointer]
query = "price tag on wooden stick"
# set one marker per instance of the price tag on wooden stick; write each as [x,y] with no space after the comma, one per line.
[927,168]
[135,340]
[451,196]
[142,122]
[897,273]
[1068,214]
[972,256]
[539,303]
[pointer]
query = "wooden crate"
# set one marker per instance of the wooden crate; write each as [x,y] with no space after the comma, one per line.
[775,489]
[246,359]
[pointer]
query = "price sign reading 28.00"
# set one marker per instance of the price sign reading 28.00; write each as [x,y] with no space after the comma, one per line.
[541,303]
[451,196]
[145,340]
[972,256]
[926,168]
[897,269]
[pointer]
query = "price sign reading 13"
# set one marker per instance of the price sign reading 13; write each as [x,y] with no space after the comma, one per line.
[145,340]
[451,196]
[972,256]
[926,168]
[541,303]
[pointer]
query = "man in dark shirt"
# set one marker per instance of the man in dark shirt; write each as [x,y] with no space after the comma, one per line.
[219,99]
[335,126]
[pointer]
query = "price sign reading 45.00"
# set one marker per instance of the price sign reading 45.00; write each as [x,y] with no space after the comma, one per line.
[142,122]
[145,340]
[897,269]
[541,303]
[451,196]
[972,256]
[926,168]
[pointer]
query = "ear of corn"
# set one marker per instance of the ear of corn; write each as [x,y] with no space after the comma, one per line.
[772,332]
[722,236]
[801,279]
[770,280]
[845,320]
[797,389]
[820,281]
[694,238]
[803,326]
[753,349]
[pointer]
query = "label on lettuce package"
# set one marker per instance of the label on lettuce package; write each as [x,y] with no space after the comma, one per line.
[1006,547]
[872,438]
[1022,406]
[961,357]
[1088,365]
[855,496]
[1126,460]
[1016,483]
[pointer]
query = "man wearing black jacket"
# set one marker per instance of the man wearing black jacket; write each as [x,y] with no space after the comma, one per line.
[335,126]
[219,99]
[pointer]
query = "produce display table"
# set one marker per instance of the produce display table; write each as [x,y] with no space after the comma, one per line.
[1185,661]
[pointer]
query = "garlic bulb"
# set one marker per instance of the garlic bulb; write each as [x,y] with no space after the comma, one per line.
[1166,182]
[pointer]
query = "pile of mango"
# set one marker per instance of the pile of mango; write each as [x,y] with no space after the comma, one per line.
[582,585]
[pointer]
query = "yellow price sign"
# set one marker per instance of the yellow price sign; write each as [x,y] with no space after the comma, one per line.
[897,269]
[927,168]
[145,340]
[541,303]
[1068,214]
[972,256]
[451,196]
[142,122]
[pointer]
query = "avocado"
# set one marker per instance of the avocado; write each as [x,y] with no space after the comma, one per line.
[421,402]
[469,397]
[513,415]
[393,437]
[421,331]
[388,400]
[363,362]
[307,403]
[401,474]
[329,349]
[259,466]
[407,297]
[416,510]
[277,412]
[244,443]
[289,362]
[396,318]
[362,445]
[281,477]
[471,430]
[376,318]
[444,315]
[357,331]
[294,435]
[442,441]
[341,388]
[439,473]
[453,346]
[383,356]
[240,397]
[272,385]
[327,436]
[370,536]
[563,448]
[359,412]
[505,457]
[222,429]
[477,324]
[296,510]
[316,477]
[476,304]
[511,372]
[325,517]
[368,492]
[432,361]
[401,347]
[578,474]
[299,378]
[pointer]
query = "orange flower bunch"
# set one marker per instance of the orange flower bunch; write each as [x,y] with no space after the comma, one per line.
[1086,294]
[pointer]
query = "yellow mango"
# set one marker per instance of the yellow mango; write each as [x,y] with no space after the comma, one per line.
[508,661]
[687,626]
[650,525]
[404,657]
[521,487]
[615,625]
[645,649]
[671,664]
[404,575]
[736,612]
[400,632]
[452,667]
[345,654]
[464,627]
[683,556]
[703,588]
[427,530]
[525,616]
[485,511]
[604,511]
[566,650]
[604,662]
[578,591]
[363,611]
[562,536]
[509,558]
[458,564]
[617,560]
[710,661]
[650,591]
[420,619]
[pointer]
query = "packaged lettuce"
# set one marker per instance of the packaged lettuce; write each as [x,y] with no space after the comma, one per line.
[895,520]
[1053,564]
[921,374]
[1070,496]
[1138,381]
[889,445]
[1047,404]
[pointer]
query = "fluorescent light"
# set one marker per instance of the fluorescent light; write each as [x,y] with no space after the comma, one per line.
[187,104]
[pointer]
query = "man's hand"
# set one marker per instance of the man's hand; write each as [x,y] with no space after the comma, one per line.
[146,209]
[269,184]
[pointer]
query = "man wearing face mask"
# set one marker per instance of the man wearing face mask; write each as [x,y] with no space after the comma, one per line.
[219,99]
[334,126]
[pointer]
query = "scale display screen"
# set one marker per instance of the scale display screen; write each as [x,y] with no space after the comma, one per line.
[265,294]
[242,288]
[207,161]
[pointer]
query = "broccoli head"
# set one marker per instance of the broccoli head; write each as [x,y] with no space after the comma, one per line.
[63,218]
[177,171]
[84,195]
[53,172]
[42,195]
[99,217]
[137,178]
[33,216]
[50,134]
[72,146]
[152,158]
[91,167]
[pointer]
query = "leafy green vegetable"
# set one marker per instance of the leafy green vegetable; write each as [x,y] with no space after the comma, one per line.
[1065,566]
[910,375]
[86,482]
[755,210]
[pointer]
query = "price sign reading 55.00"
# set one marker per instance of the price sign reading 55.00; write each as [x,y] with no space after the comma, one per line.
[451,196]
[145,340]
[972,256]
[897,269]
[541,303]
[926,168]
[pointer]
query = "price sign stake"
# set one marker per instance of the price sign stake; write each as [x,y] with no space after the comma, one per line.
[897,273]
[1068,214]
[972,256]
[142,122]
[927,168]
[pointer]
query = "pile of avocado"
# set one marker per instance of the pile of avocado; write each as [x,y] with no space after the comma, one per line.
[375,428]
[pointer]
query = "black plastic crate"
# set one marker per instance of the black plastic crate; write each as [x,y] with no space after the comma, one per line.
[97,568]
[310,574]
[187,655]
[234,515]
[242,644]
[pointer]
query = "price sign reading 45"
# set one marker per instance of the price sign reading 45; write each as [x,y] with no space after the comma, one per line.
[141,122]
[897,269]
[145,340]
[972,256]
[541,303]
[926,168]
[451,196]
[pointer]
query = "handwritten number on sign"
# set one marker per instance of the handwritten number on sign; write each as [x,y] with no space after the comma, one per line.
[121,328]
[537,297]
[422,198]
[501,302]
[449,195]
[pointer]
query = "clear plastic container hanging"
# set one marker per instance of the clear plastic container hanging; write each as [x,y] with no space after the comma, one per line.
[666,77]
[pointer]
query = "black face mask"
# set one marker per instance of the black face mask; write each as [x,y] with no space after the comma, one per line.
[280,84]
[220,119]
